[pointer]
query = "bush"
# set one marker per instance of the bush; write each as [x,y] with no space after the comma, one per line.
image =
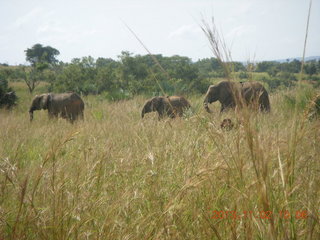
[116,95]
[243,75]
[8,97]
[300,99]
[277,82]
[285,76]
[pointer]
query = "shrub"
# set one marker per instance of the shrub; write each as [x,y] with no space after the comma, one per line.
[243,75]
[8,97]
[116,95]
[300,99]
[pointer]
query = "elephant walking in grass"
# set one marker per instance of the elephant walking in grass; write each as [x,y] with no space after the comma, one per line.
[230,94]
[66,105]
[166,106]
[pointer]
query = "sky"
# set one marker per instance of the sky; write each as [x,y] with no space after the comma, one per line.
[253,30]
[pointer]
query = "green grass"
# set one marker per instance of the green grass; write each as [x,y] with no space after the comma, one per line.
[116,176]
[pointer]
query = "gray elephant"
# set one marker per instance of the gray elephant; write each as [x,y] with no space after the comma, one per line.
[66,105]
[230,94]
[166,106]
[8,100]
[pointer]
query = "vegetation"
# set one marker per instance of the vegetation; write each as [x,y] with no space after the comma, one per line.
[8,97]
[39,54]
[41,58]
[132,75]
[115,176]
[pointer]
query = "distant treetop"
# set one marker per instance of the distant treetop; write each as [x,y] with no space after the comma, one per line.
[40,54]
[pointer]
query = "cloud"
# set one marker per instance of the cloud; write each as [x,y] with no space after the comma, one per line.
[50,27]
[57,32]
[240,31]
[25,19]
[186,31]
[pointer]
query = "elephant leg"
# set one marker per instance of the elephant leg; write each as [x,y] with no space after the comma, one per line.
[264,103]
[81,115]
[75,116]
[52,115]
[71,119]
[160,115]
[223,108]
[64,114]
[227,106]
[171,113]
[72,116]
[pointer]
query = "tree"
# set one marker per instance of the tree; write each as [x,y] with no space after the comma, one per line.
[311,68]
[267,66]
[132,72]
[40,58]
[294,66]
[41,55]
[31,77]
[8,97]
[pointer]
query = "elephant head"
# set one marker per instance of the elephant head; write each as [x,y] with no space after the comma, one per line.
[212,95]
[154,104]
[223,92]
[39,102]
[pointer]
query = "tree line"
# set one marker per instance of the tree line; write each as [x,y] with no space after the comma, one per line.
[131,74]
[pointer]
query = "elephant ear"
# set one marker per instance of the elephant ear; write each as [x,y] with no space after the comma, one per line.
[213,93]
[44,101]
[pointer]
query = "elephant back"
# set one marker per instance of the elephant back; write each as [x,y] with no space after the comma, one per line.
[66,100]
[178,102]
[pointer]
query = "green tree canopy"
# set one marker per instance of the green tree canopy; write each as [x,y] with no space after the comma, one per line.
[39,54]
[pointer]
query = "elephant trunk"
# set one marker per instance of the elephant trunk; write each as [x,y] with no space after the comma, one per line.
[146,109]
[205,103]
[142,113]
[31,114]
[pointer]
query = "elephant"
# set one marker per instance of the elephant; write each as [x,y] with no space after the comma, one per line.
[166,106]
[232,94]
[66,105]
[8,100]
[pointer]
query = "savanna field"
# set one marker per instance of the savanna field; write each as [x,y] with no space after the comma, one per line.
[117,176]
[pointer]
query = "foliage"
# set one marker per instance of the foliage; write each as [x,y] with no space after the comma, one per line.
[41,58]
[8,97]
[243,75]
[299,99]
[39,55]
[132,75]
[311,68]
[276,82]
[32,77]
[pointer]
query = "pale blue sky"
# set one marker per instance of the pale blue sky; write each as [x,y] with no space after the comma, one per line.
[253,29]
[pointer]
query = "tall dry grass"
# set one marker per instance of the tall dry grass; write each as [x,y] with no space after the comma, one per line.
[115,176]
